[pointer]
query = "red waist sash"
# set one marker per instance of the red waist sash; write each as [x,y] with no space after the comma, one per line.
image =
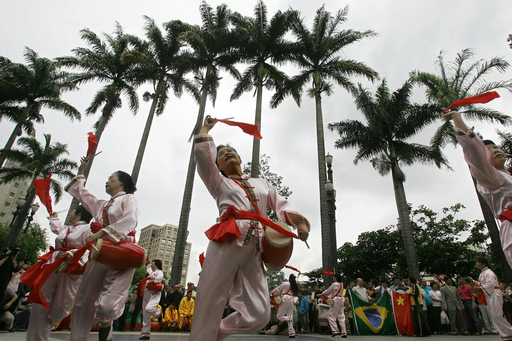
[507,215]
[227,230]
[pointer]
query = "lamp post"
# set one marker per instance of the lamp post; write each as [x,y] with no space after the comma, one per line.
[21,214]
[35,207]
[331,204]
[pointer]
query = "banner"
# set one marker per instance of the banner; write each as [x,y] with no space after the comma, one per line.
[372,318]
[403,314]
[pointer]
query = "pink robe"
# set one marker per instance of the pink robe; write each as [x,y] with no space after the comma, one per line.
[285,310]
[489,282]
[103,291]
[494,185]
[336,313]
[60,289]
[150,301]
[229,266]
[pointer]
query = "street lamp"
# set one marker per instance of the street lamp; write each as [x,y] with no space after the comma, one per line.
[19,205]
[331,201]
[35,207]
[20,216]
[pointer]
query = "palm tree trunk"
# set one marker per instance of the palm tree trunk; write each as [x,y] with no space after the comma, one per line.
[20,219]
[255,163]
[405,223]
[324,208]
[494,233]
[181,238]
[14,135]
[99,131]
[145,135]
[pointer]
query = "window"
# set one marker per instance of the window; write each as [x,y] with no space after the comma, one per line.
[16,185]
[168,252]
[167,257]
[186,256]
[163,240]
[11,195]
[163,246]
[2,214]
[184,266]
[7,204]
[166,263]
[186,251]
[183,271]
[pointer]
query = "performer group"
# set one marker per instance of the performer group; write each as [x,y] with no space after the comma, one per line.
[93,263]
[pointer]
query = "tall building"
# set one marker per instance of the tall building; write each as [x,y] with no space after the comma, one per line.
[9,194]
[160,242]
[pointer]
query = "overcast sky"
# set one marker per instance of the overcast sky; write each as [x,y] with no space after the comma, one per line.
[410,36]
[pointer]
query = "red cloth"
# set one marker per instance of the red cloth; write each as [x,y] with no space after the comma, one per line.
[291,267]
[403,314]
[42,187]
[201,259]
[250,129]
[92,144]
[481,298]
[465,292]
[482,98]
[227,230]
[141,285]
[328,272]
[96,227]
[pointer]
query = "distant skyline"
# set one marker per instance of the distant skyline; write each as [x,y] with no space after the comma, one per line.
[410,37]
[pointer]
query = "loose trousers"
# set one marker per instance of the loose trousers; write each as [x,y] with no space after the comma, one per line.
[229,267]
[487,318]
[59,291]
[285,312]
[336,314]
[495,308]
[149,308]
[101,298]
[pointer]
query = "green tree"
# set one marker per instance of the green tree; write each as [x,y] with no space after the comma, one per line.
[263,46]
[318,55]
[34,160]
[33,241]
[139,274]
[391,120]
[103,62]
[457,80]
[26,89]
[162,62]
[212,52]
[274,278]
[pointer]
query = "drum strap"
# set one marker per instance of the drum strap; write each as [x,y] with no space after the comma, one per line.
[246,186]
[341,287]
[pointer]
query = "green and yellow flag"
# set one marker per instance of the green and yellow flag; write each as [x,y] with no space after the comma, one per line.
[372,318]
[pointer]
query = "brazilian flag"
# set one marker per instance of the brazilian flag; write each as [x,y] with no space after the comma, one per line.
[372,318]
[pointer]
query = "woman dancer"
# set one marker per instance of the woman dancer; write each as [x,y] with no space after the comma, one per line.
[336,313]
[233,261]
[487,165]
[151,298]
[104,289]
[59,290]
[288,291]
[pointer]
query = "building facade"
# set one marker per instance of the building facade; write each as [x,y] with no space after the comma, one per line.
[9,194]
[160,242]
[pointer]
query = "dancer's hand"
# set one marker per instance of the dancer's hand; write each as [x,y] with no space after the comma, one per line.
[94,236]
[84,162]
[303,232]
[450,115]
[207,125]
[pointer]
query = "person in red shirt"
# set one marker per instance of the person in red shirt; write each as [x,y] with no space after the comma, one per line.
[138,303]
[470,307]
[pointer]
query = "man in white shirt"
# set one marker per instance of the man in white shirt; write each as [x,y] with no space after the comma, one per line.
[361,291]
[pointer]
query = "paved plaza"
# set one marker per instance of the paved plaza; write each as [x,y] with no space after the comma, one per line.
[166,336]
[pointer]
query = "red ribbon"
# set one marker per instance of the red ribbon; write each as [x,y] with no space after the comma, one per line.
[291,267]
[482,98]
[247,128]
[507,215]
[227,230]
[327,272]
[91,139]
[201,259]
[74,263]
[96,227]
[42,188]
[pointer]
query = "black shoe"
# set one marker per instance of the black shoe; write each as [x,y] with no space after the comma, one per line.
[103,333]
[344,336]
[145,337]
[335,334]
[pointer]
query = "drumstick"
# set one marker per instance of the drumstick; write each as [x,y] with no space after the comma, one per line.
[228,118]
[93,155]
[305,241]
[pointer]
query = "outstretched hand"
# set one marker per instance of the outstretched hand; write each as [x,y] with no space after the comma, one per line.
[207,125]
[303,232]
[449,115]
[84,162]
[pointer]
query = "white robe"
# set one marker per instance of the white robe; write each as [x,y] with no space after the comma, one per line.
[336,313]
[150,301]
[285,310]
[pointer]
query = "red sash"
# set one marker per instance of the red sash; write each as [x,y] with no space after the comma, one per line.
[507,215]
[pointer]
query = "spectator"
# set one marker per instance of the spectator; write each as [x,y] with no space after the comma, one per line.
[361,291]
[470,307]
[6,303]
[165,298]
[22,314]
[452,305]
[371,291]
[7,266]
[435,297]
[427,302]
[507,302]
[382,289]
[350,315]
[418,316]
[176,296]
[191,286]
[170,319]
[398,285]
[313,309]
[304,312]
[186,312]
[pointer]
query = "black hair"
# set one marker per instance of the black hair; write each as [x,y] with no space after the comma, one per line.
[84,214]
[486,142]
[412,279]
[158,263]
[338,278]
[482,260]
[219,147]
[127,181]
[293,285]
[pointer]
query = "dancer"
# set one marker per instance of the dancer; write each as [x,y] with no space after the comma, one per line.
[151,298]
[60,289]
[487,165]
[103,291]
[288,291]
[233,261]
[488,283]
[336,313]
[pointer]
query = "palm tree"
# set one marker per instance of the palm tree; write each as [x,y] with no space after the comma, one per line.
[457,80]
[212,52]
[31,161]
[262,46]
[26,89]
[103,62]
[161,61]
[317,53]
[391,120]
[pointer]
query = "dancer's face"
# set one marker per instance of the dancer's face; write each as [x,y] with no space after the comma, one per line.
[227,159]
[498,157]
[113,185]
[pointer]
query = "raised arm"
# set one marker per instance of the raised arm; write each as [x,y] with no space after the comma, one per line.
[206,155]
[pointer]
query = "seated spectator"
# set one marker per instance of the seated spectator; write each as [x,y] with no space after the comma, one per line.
[186,312]
[22,314]
[6,305]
